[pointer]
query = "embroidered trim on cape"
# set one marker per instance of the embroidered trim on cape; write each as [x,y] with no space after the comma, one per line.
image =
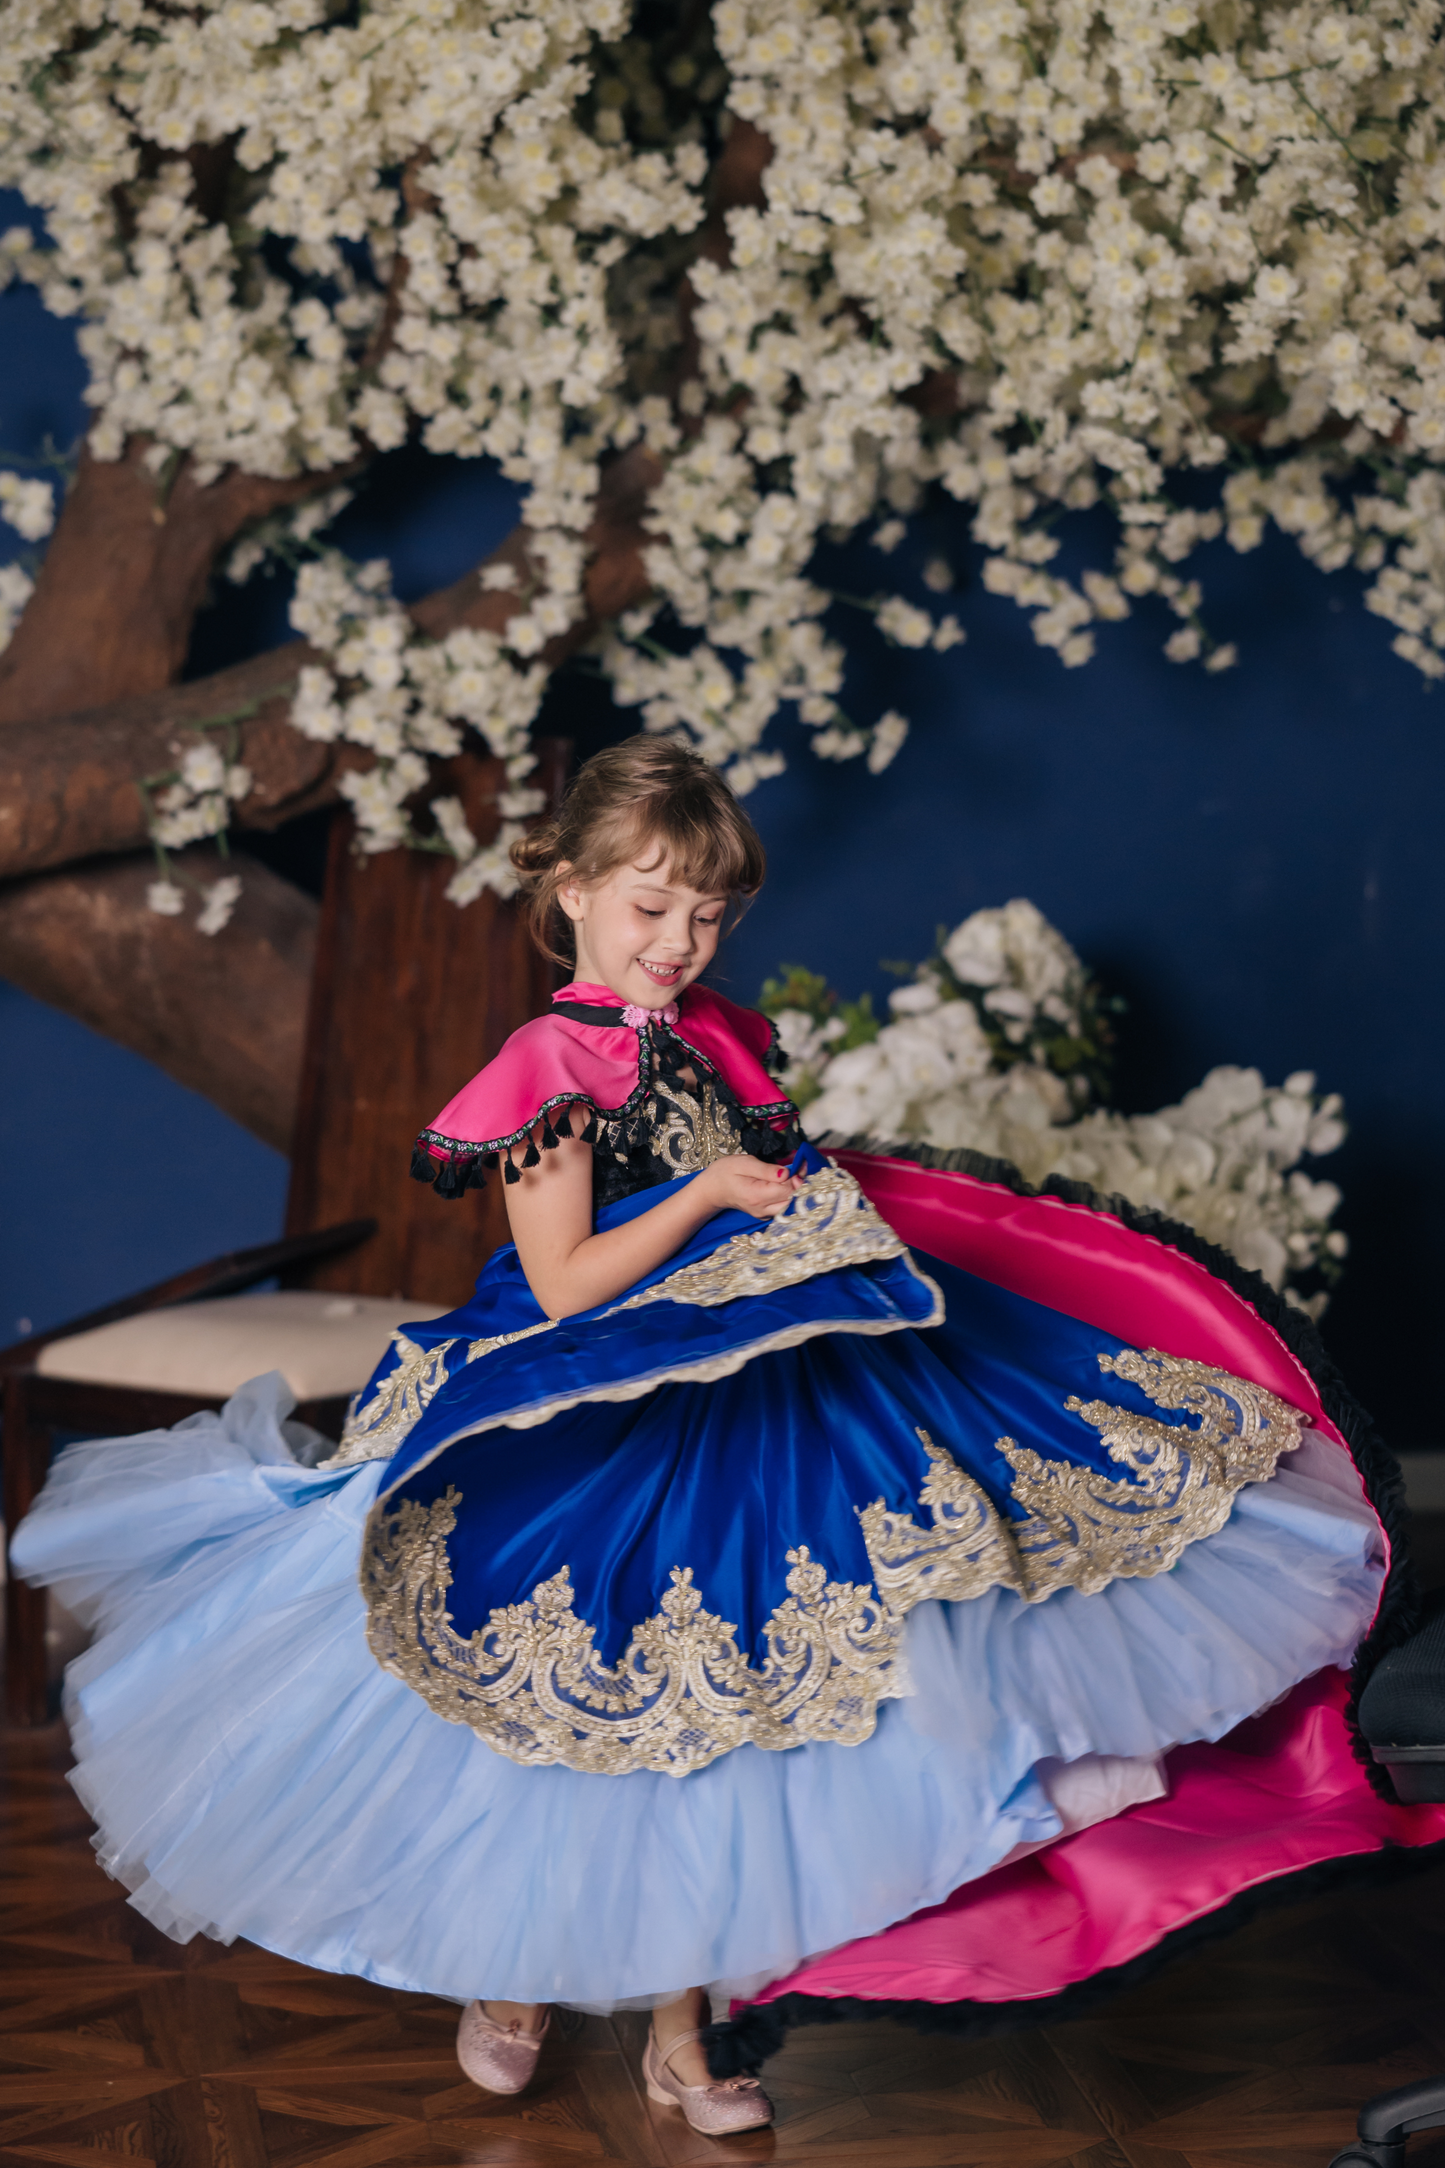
[622,1124]
[530,1683]
[1081,1529]
[831,1225]
[454,1164]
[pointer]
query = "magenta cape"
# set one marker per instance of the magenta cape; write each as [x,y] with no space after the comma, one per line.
[1283,1794]
[603,1063]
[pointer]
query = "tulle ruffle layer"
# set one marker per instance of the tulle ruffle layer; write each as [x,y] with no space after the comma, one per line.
[253,1772]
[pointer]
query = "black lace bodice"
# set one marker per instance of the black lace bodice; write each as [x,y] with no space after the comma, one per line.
[681,1128]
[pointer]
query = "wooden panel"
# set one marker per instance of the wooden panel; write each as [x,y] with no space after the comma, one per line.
[411,997]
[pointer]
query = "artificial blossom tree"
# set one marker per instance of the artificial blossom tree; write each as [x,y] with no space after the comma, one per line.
[710,284]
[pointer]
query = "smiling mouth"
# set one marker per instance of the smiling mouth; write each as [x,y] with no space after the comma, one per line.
[663,973]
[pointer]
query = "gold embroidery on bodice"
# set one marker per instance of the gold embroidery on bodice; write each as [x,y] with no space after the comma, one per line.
[690,1128]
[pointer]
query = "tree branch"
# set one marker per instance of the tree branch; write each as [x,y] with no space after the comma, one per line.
[123,578]
[223,1015]
[68,786]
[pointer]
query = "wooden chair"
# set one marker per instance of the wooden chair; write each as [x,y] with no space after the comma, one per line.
[410,996]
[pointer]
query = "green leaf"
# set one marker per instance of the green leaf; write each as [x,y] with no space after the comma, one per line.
[799,988]
[862,1025]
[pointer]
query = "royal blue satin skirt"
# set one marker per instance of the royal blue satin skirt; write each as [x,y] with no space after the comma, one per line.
[678,1642]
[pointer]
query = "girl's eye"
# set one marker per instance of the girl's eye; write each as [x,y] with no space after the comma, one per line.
[650,914]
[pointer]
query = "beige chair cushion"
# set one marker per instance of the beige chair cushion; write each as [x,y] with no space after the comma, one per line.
[322,1344]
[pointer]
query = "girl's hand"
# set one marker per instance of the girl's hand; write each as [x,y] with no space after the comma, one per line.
[741,1183]
[569,1268]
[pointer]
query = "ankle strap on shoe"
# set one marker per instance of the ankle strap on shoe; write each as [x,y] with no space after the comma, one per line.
[678,2040]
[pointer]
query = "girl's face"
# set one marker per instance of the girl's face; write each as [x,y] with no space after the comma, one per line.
[642,933]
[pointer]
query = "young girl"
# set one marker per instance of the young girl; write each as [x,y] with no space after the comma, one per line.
[675,1610]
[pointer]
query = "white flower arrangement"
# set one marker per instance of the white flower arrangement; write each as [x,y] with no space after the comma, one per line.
[999,1045]
[1040,254]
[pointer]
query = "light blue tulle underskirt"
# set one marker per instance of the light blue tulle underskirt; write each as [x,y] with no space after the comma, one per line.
[253,1772]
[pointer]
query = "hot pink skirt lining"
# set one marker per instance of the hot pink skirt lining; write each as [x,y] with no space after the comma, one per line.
[1281,1793]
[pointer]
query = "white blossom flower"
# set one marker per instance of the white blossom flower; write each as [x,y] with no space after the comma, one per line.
[29,507]
[165,898]
[1036,258]
[453,827]
[221,898]
[16,588]
[1225,1161]
[203,769]
[887,737]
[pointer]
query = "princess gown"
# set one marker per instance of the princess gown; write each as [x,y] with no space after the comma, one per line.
[867,1603]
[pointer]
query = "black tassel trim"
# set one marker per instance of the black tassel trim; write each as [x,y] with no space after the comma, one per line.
[509,1171]
[532,1157]
[549,1136]
[589,1134]
[452,1178]
[672,1055]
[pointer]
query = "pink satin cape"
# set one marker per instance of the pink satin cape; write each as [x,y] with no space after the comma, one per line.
[1282,1792]
[555,1059]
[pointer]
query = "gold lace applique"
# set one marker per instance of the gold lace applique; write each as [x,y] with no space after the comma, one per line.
[832,1224]
[531,1684]
[1082,1529]
[373,1431]
[967,1551]
[691,1129]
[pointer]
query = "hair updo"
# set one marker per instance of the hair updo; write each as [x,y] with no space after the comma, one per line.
[647,795]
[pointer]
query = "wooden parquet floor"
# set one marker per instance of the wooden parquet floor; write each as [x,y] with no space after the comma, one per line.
[1254,2053]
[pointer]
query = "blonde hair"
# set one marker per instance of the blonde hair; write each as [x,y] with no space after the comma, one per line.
[645,793]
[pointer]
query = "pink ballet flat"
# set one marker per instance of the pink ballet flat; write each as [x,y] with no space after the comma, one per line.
[727,2105]
[502,2058]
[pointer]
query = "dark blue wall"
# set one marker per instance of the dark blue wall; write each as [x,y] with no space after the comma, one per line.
[1251,859]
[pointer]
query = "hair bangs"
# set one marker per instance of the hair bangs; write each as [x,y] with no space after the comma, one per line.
[714,856]
[648,802]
